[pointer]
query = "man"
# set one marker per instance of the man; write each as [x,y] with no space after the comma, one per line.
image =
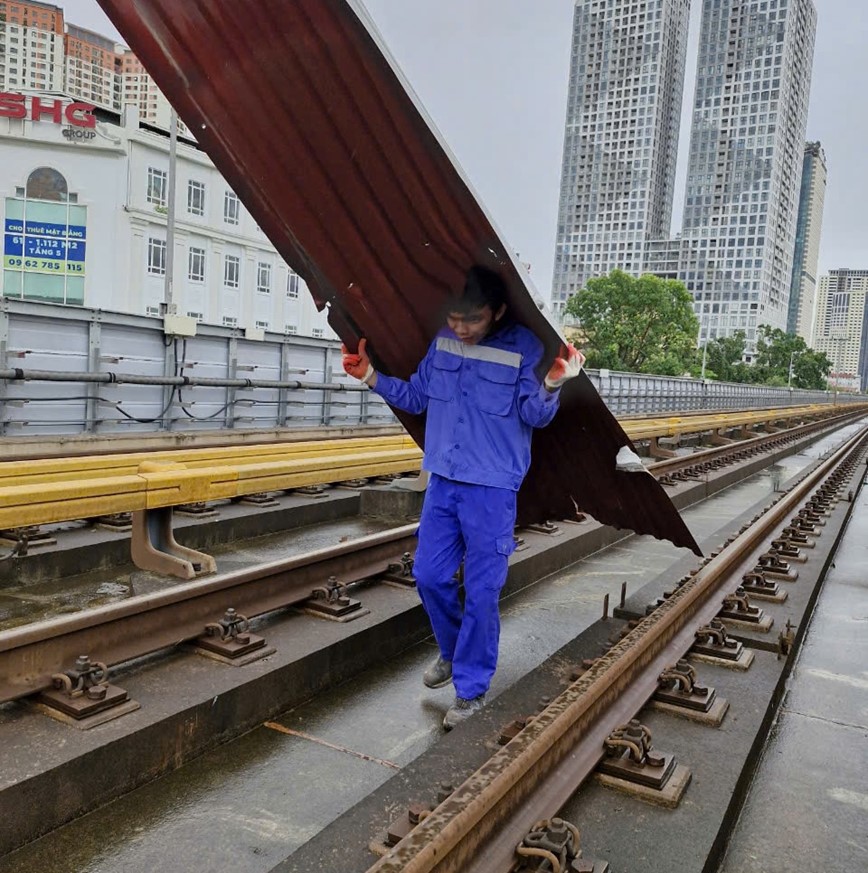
[482,396]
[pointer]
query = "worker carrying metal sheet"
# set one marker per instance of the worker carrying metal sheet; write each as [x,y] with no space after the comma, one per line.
[479,387]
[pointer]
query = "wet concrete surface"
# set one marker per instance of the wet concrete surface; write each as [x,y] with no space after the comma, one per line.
[44,600]
[184,820]
[808,805]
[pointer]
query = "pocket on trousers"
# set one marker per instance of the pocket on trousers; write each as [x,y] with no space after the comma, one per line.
[505,546]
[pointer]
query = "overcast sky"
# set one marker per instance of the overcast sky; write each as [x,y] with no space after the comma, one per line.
[493,76]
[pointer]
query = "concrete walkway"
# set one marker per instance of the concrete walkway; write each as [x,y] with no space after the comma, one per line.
[808,806]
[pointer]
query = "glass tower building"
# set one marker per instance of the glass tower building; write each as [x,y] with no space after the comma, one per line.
[621,137]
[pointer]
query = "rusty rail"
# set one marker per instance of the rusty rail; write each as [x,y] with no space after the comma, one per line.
[536,773]
[122,631]
[669,466]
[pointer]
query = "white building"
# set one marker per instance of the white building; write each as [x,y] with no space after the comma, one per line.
[31,46]
[841,328]
[753,79]
[621,137]
[802,314]
[84,204]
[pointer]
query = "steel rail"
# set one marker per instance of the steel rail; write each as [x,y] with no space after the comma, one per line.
[564,736]
[120,632]
[667,466]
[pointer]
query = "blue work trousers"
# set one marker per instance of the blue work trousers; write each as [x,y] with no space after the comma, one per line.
[474,523]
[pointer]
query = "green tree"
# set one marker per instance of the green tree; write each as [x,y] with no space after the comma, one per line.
[785,359]
[723,358]
[643,325]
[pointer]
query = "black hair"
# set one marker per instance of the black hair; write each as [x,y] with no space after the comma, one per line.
[482,287]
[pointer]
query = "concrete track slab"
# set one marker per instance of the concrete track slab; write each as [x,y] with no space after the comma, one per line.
[808,806]
[266,791]
[536,624]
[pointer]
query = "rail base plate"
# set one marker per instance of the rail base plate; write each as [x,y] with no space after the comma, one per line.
[742,662]
[697,702]
[713,718]
[82,713]
[669,796]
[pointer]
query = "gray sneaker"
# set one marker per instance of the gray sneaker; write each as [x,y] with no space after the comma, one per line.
[461,710]
[439,673]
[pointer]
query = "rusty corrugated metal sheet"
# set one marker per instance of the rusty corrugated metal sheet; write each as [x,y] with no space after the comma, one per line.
[300,107]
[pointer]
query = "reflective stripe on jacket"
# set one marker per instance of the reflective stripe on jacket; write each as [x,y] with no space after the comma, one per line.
[483,402]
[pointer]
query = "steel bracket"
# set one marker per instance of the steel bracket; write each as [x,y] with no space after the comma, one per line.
[678,686]
[231,642]
[120,522]
[153,547]
[546,527]
[757,585]
[737,607]
[401,572]
[713,641]
[30,534]
[554,844]
[332,601]
[629,756]
[84,697]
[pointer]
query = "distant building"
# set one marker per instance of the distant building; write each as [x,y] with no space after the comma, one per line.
[841,329]
[621,137]
[802,312]
[39,51]
[84,202]
[92,68]
[735,252]
[31,46]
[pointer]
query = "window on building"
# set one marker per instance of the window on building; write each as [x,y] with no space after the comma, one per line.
[196,265]
[195,197]
[157,257]
[292,284]
[157,186]
[318,332]
[291,329]
[229,321]
[197,315]
[231,208]
[231,271]
[263,278]
[262,325]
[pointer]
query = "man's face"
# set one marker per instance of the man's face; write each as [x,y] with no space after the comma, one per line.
[473,326]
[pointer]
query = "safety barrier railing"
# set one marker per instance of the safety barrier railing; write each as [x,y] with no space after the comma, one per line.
[66,370]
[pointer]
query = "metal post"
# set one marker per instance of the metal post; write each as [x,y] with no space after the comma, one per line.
[4,349]
[168,291]
[94,341]
[231,373]
[284,376]
[704,356]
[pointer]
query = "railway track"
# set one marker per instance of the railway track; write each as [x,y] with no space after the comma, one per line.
[32,655]
[503,817]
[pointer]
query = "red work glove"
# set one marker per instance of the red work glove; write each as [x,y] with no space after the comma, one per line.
[358,365]
[566,366]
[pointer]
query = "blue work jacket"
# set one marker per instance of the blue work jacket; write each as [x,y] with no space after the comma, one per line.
[483,402]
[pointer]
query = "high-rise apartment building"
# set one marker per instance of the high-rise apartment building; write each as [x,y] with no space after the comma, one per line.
[802,313]
[750,111]
[92,67]
[31,46]
[140,90]
[841,329]
[621,136]
[40,52]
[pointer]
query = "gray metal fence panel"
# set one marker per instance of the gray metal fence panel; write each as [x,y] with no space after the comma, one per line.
[73,340]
